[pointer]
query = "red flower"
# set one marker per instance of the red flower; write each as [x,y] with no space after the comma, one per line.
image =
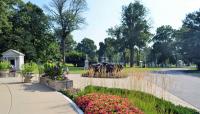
[96,103]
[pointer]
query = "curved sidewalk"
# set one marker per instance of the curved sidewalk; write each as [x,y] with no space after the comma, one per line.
[20,98]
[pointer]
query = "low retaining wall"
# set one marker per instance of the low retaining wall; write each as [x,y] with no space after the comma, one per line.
[56,85]
[4,73]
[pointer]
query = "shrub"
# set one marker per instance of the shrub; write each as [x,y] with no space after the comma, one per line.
[54,70]
[4,65]
[96,103]
[30,68]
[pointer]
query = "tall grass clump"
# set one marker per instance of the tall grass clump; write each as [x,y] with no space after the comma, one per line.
[4,65]
[29,68]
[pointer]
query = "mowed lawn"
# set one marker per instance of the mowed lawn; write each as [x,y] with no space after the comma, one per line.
[76,70]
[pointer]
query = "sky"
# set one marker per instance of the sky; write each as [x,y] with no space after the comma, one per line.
[103,14]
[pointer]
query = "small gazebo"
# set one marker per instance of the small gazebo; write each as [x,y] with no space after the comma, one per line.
[16,58]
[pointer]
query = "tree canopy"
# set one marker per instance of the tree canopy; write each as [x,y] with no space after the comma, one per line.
[189,39]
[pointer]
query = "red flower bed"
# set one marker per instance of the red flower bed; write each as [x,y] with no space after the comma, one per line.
[97,103]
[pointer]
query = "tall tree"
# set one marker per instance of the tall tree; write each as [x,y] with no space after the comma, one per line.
[70,44]
[163,47]
[189,37]
[29,32]
[88,47]
[6,8]
[134,20]
[101,51]
[67,14]
[119,34]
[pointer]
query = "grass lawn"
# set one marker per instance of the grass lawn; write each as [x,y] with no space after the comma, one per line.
[76,70]
[80,70]
[146,102]
[129,69]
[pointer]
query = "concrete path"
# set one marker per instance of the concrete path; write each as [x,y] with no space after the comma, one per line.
[184,85]
[20,98]
[139,81]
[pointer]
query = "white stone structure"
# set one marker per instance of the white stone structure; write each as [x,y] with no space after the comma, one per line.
[86,63]
[16,58]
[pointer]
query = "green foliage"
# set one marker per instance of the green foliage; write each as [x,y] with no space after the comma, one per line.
[67,16]
[146,102]
[76,70]
[189,39]
[40,69]
[52,52]
[4,65]
[136,28]
[75,58]
[163,48]
[29,31]
[87,46]
[54,70]
[29,68]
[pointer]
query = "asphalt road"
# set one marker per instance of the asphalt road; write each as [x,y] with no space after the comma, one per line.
[181,84]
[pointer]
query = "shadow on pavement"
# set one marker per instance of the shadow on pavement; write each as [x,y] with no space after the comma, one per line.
[32,87]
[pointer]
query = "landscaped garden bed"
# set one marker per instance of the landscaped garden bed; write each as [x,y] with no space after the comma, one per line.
[98,103]
[54,77]
[56,84]
[94,98]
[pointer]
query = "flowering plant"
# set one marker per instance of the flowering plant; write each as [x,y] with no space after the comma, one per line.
[96,103]
[54,70]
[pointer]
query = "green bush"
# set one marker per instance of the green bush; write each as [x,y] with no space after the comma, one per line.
[54,70]
[4,65]
[30,68]
[40,69]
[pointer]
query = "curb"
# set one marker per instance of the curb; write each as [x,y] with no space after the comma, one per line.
[72,103]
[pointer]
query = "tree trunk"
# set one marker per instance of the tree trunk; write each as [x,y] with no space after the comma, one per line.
[131,57]
[138,57]
[124,56]
[63,49]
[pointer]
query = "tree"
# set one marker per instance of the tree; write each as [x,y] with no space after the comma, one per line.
[133,19]
[70,44]
[119,34]
[6,8]
[189,38]
[67,14]
[101,51]
[163,47]
[29,31]
[75,58]
[110,48]
[88,47]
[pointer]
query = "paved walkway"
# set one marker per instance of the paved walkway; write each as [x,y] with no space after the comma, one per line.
[19,98]
[140,82]
[184,85]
